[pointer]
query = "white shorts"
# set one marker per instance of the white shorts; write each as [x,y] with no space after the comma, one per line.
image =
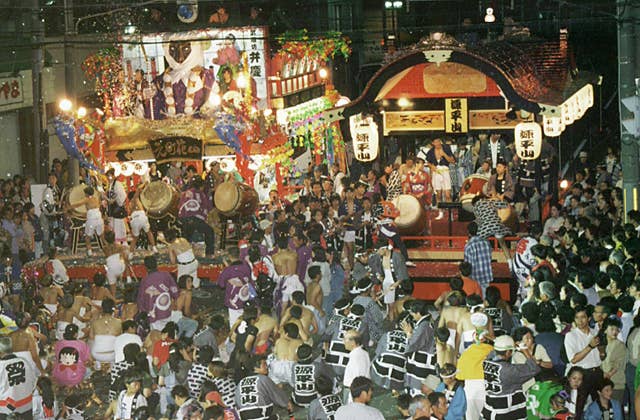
[188,265]
[139,222]
[441,179]
[94,224]
[280,371]
[115,268]
[349,236]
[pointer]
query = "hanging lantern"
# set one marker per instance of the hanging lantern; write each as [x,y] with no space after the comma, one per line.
[364,134]
[528,140]
[140,168]
[552,126]
[126,168]
[116,168]
[568,115]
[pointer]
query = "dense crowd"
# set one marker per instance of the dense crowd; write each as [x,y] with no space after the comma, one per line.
[318,297]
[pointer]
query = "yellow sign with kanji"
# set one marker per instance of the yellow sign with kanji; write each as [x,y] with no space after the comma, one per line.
[456,115]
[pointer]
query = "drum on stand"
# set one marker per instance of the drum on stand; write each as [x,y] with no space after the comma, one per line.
[413,218]
[71,196]
[507,215]
[233,198]
[160,200]
[472,186]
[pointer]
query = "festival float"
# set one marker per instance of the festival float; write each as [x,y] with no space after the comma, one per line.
[208,95]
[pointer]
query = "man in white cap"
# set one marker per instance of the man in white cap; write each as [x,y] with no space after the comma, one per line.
[503,381]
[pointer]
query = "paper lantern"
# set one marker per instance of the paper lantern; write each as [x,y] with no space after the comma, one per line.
[568,115]
[552,126]
[126,169]
[116,168]
[140,168]
[364,134]
[528,140]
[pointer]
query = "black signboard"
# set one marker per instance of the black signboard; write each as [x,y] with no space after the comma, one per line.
[176,148]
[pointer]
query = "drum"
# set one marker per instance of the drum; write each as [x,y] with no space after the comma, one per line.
[160,199]
[413,218]
[472,186]
[232,198]
[73,195]
[507,215]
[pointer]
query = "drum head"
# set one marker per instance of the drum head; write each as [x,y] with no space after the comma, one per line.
[409,208]
[226,197]
[156,197]
[77,194]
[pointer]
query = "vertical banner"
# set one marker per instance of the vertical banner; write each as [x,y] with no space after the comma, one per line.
[456,115]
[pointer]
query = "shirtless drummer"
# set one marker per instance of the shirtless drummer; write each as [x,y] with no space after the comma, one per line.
[95,223]
[139,221]
[181,253]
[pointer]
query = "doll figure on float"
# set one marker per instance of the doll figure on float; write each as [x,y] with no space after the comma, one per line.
[185,84]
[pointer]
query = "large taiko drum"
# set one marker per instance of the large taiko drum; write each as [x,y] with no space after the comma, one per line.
[413,218]
[507,215]
[472,186]
[73,195]
[160,199]
[232,198]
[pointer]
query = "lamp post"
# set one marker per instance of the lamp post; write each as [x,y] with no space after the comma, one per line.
[392,6]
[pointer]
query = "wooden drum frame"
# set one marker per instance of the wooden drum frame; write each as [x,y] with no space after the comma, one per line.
[234,198]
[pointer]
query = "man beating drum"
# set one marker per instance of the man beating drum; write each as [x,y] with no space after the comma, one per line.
[438,159]
[94,224]
[139,221]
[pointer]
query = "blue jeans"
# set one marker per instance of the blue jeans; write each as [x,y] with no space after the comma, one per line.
[630,373]
[187,326]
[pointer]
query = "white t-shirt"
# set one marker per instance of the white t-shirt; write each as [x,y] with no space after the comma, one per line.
[121,341]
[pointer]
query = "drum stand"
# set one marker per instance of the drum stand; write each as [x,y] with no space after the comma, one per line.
[77,231]
[450,206]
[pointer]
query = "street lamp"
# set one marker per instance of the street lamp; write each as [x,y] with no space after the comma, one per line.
[392,5]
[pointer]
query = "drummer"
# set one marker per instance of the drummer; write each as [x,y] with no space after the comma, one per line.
[94,224]
[139,221]
[438,158]
[181,252]
[500,185]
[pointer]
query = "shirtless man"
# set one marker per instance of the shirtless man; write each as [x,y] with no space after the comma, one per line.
[94,224]
[68,314]
[139,221]
[405,292]
[266,325]
[306,321]
[181,253]
[466,329]
[25,343]
[117,260]
[285,352]
[451,315]
[103,332]
[285,262]
[314,291]
[50,293]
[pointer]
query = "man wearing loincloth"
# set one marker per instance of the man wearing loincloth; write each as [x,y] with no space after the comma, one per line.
[94,224]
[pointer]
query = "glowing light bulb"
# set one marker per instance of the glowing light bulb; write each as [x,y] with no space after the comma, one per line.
[564,184]
[82,112]
[65,105]
[241,81]
[404,103]
[215,99]
[323,73]
[267,112]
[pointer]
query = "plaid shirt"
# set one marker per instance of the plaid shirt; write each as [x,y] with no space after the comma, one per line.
[477,251]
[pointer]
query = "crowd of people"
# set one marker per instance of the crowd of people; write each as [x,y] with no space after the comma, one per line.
[319,307]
